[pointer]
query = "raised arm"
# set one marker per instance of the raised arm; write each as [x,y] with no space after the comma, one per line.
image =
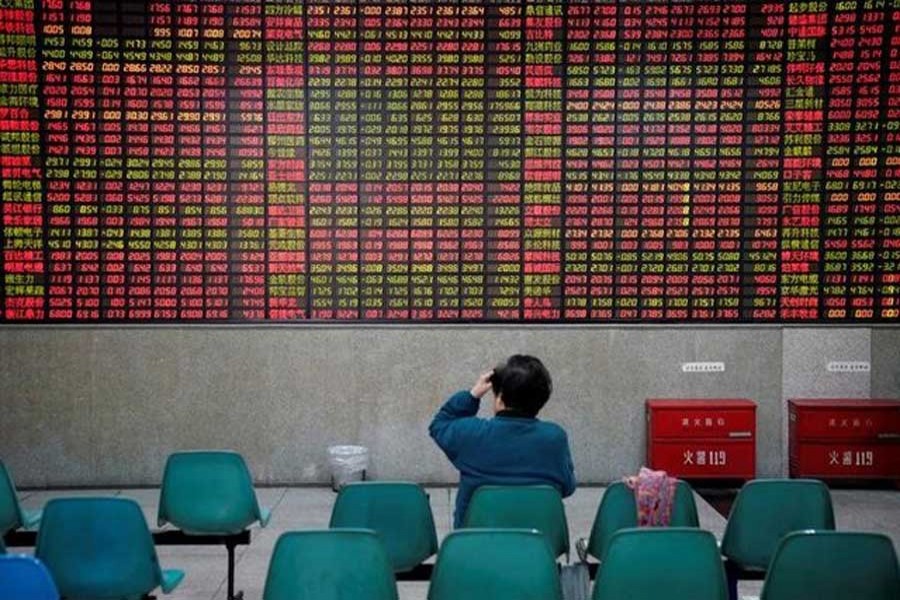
[454,424]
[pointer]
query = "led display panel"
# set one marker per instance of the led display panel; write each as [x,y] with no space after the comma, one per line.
[455,161]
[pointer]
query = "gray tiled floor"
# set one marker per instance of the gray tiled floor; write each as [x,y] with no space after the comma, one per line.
[309,508]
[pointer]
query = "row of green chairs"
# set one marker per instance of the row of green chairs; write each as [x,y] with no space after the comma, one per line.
[541,507]
[676,563]
[500,564]
[207,492]
[764,512]
[400,512]
[475,564]
[200,489]
[684,564]
[202,493]
[94,548]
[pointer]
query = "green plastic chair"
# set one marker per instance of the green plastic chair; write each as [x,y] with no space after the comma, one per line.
[101,548]
[618,510]
[208,492]
[495,564]
[11,514]
[675,563]
[333,564]
[399,512]
[764,511]
[831,565]
[521,507]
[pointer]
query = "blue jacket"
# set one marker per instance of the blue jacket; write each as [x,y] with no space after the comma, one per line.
[506,450]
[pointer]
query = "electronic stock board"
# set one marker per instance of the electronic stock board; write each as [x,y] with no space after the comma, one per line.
[602,161]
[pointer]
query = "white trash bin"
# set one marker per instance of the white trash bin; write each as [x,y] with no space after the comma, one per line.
[348,463]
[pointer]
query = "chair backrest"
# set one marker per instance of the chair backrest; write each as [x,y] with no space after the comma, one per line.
[98,548]
[208,492]
[495,564]
[399,512]
[832,565]
[333,564]
[618,510]
[675,563]
[25,578]
[10,511]
[521,507]
[765,510]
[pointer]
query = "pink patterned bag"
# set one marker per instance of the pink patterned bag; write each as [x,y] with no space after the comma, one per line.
[654,494]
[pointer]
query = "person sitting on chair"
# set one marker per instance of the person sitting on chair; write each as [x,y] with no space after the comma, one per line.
[514,447]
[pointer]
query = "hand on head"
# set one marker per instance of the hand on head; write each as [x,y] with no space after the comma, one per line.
[483,385]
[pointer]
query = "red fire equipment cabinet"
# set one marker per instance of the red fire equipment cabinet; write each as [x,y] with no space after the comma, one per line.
[702,439]
[844,439]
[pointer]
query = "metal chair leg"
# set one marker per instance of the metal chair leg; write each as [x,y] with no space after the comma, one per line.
[231,593]
[731,576]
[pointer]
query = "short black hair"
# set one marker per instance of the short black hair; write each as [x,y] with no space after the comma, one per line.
[524,383]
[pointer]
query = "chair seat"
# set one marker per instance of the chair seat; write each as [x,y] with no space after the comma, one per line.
[618,511]
[521,507]
[647,563]
[209,492]
[170,580]
[398,511]
[495,564]
[754,527]
[833,565]
[334,564]
[100,547]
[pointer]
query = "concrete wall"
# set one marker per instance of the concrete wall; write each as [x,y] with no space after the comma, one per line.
[886,363]
[105,406]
